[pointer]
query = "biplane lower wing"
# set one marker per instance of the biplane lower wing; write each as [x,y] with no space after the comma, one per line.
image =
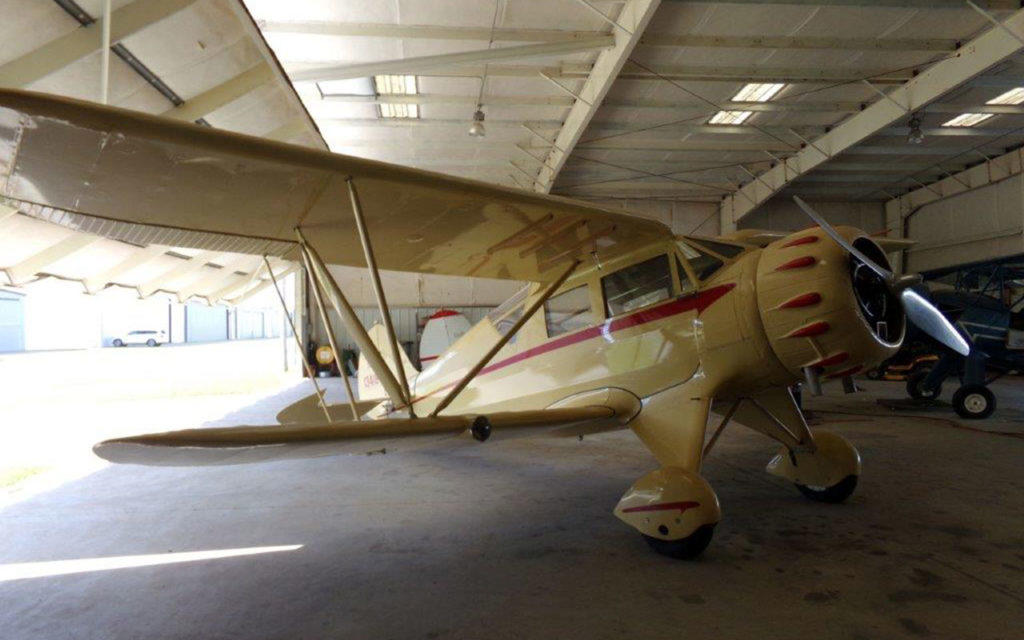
[248,444]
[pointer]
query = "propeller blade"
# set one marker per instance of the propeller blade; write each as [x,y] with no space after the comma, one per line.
[843,242]
[931,321]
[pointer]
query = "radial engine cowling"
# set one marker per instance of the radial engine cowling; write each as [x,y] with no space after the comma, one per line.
[823,308]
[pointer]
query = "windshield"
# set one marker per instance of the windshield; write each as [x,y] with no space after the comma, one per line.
[703,264]
[505,315]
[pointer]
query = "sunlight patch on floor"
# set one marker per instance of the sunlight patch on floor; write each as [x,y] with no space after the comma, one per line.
[26,570]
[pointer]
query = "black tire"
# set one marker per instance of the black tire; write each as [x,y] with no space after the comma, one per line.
[915,383]
[686,548]
[118,342]
[835,494]
[151,342]
[874,374]
[974,402]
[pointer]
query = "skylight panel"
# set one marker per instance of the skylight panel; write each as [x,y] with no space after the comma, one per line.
[1013,96]
[730,117]
[401,85]
[753,92]
[392,85]
[349,87]
[392,110]
[967,120]
[758,92]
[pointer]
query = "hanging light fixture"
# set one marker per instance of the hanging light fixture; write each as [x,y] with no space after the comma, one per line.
[916,136]
[477,128]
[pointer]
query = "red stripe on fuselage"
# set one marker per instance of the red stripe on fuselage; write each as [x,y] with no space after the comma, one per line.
[699,301]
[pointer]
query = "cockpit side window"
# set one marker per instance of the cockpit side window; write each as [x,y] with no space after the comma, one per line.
[568,311]
[637,286]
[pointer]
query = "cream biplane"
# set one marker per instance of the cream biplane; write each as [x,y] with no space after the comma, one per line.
[623,325]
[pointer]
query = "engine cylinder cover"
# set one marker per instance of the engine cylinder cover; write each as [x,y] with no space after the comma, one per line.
[823,308]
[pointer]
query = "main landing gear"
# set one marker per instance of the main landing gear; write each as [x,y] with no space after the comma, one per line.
[676,511]
[827,473]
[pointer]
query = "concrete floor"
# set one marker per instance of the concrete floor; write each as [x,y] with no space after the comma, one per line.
[516,540]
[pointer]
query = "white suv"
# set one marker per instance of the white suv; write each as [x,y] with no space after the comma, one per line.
[148,338]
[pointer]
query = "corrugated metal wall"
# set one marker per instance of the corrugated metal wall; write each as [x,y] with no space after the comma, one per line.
[206,324]
[977,225]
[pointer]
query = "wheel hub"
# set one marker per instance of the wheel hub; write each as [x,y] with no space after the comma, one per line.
[975,403]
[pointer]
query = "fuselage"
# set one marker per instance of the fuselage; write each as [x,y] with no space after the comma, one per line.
[682,311]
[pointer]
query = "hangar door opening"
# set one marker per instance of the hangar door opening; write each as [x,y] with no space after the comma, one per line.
[12,322]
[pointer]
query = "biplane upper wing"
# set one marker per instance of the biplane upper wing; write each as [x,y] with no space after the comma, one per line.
[135,177]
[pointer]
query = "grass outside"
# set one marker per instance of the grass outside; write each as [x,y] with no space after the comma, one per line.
[11,476]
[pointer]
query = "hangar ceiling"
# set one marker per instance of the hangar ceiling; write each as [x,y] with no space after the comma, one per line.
[727,103]
[195,60]
[650,138]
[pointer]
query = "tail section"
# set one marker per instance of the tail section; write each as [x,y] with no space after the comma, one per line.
[441,331]
[370,387]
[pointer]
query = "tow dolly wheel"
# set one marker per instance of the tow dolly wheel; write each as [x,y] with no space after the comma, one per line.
[915,386]
[974,402]
[686,548]
[835,494]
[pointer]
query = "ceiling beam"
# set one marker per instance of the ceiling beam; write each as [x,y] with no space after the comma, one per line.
[287,131]
[27,269]
[633,19]
[990,48]
[137,258]
[445,60]
[289,268]
[6,212]
[228,91]
[234,282]
[218,277]
[789,75]
[181,270]
[779,106]
[248,24]
[436,98]
[84,40]
[798,42]
[581,71]
[903,149]
[422,31]
[484,34]
[994,5]
[669,144]
[953,132]
[404,123]
[467,71]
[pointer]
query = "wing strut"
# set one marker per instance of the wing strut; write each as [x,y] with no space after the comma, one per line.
[298,342]
[505,338]
[382,303]
[318,299]
[352,323]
